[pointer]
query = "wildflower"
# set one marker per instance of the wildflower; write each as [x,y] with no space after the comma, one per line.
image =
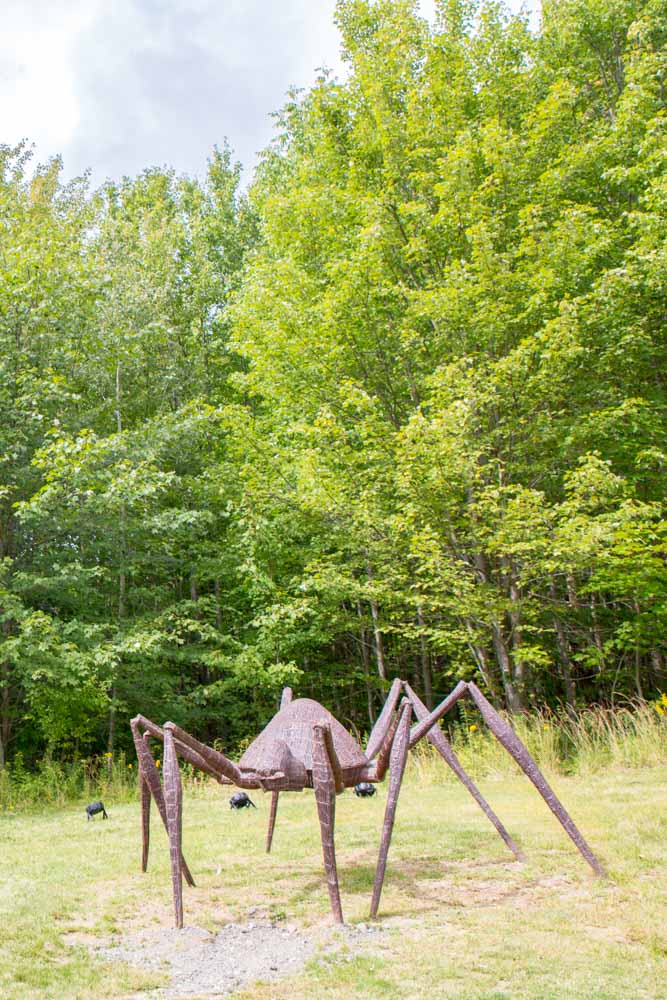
[659,709]
[157,763]
[546,725]
[129,767]
[108,754]
[663,699]
[473,729]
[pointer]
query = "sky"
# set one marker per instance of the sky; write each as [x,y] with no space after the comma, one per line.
[115,86]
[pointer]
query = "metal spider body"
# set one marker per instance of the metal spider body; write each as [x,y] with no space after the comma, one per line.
[304,746]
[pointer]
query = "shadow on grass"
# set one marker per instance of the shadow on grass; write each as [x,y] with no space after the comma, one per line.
[454,883]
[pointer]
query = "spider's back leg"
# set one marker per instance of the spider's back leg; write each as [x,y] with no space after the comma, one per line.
[438,739]
[284,700]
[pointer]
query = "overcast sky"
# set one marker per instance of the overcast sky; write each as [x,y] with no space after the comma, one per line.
[118,85]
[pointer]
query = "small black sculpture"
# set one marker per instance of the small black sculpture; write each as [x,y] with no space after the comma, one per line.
[364,789]
[94,808]
[241,801]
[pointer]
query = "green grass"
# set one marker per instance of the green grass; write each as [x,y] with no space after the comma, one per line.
[458,917]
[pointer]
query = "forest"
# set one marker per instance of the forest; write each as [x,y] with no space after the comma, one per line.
[395,407]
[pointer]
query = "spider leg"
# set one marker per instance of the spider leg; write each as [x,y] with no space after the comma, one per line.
[422,728]
[173,795]
[509,739]
[272,820]
[399,756]
[145,811]
[378,748]
[207,759]
[286,697]
[437,738]
[150,781]
[376,769]
[284,700]
[325,765]
[384,720]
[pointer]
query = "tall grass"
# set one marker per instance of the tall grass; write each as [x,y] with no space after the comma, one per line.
[56,783]
[591,741]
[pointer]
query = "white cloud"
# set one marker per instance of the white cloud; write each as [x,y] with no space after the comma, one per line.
[163,83]
[38,98]
[118,85]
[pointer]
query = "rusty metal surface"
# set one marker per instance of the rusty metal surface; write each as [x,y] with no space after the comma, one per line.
[149,775]
[325,797]
[304,746]
[272,820]
[173,798]
[399,756]
[294,725]
[509,739]
[285,699]
[438,739]
[384,720]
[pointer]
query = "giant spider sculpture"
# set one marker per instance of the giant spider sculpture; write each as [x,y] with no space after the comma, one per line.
[304,746]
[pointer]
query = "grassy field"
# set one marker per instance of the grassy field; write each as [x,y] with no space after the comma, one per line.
[458,917]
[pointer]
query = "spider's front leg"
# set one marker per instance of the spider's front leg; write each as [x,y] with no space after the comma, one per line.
[145,810]
[173,796]
[398,757]
[326,782]
[383,725]
[509,739]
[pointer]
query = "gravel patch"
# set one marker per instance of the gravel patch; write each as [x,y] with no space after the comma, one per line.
[214,965]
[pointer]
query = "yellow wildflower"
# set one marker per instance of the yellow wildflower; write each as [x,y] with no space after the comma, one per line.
[663,699]
[157,763]
[129,766]
[659,709]
[473,729]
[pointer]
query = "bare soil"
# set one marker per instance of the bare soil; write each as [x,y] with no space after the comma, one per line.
[207,965]
[202,964]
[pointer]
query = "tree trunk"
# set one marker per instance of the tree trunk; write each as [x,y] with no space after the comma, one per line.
[121,579]
[513,698]
[427,680]
[638,680]
[563,653]
[481,657]
[519,666]
[5,715]
[656,669]
[218,606]
[377,634]
[365,659]
[597,635]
